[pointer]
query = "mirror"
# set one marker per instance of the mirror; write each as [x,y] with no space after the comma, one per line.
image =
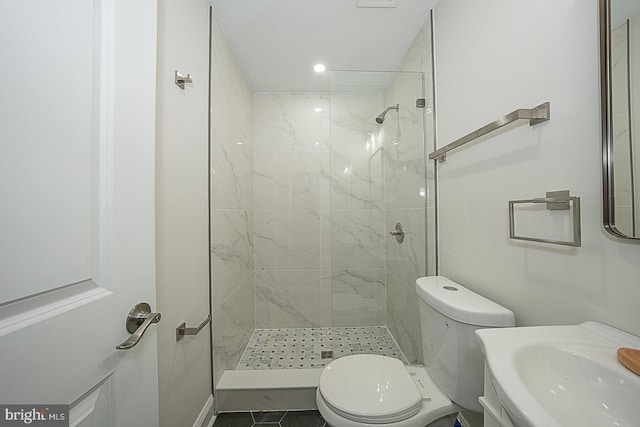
[620,74]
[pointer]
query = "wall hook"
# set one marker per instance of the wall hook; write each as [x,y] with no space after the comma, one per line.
[181,80]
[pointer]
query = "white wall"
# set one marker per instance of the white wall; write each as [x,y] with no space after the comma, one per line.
[182,230]
[491,58]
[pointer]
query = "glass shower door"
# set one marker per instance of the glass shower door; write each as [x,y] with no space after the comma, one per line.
[377,180]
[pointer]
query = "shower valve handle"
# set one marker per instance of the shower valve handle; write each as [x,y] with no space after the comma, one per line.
[398,233]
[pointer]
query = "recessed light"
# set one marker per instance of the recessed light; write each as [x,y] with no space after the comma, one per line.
[319,68]
[317,110]
[239,143]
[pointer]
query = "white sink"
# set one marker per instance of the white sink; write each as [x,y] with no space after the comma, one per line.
[547,376]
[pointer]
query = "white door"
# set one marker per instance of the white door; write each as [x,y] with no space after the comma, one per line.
[77,119]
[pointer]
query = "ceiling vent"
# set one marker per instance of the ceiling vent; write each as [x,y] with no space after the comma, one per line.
[376,3]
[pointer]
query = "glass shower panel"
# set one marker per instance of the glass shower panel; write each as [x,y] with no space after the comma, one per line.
[377,179]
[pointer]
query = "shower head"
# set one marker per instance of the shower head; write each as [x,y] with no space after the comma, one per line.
[380,118]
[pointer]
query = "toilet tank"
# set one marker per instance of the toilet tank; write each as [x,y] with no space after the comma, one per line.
[449,315]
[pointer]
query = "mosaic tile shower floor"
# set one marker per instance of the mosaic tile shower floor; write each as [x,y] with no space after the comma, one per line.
[296,348]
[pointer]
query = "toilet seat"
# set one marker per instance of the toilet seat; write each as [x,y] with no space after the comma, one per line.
[370,389]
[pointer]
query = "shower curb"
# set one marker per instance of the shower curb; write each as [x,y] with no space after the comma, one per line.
[267,390]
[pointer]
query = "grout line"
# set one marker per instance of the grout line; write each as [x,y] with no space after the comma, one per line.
[404,356]
[233,292]
[280,343]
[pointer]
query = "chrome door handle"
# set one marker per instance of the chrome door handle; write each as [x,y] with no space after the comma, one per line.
[182,329]
[138,320]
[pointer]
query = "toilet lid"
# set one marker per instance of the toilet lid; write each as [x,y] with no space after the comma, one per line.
[370,388]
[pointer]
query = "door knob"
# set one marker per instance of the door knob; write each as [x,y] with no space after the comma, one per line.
[138,320]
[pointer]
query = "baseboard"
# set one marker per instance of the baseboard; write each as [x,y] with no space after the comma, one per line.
[205,417]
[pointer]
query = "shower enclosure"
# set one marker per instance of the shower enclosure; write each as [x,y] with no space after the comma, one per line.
[333,174]
[378,180]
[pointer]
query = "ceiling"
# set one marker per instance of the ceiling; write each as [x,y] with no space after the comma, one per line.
[277,42]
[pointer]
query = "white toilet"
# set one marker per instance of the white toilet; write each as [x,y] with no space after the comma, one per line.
[379,391]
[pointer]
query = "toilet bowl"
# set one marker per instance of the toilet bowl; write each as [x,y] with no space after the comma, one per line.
[379,391]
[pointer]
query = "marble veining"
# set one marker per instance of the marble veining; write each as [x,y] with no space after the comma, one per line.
[231,183]
[231,176]
[289,122]
[408,192]
[232,129]
[233,324]
[288,180]
[403,318]
[291,139]
[357,239]
[287,240]
[288,298]
[358,297]
[418,55]
[231,251]
[357,180]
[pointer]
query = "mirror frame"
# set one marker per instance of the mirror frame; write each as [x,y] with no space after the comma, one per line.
[608,202]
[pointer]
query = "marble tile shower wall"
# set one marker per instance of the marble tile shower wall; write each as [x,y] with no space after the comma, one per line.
[319,227]
[356,215]
[232,199]
[291,149]
[405,203]
[406,190]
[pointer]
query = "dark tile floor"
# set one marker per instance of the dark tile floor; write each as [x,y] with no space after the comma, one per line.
[270,419]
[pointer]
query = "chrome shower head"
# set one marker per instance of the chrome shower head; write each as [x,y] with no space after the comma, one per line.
[380,118]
